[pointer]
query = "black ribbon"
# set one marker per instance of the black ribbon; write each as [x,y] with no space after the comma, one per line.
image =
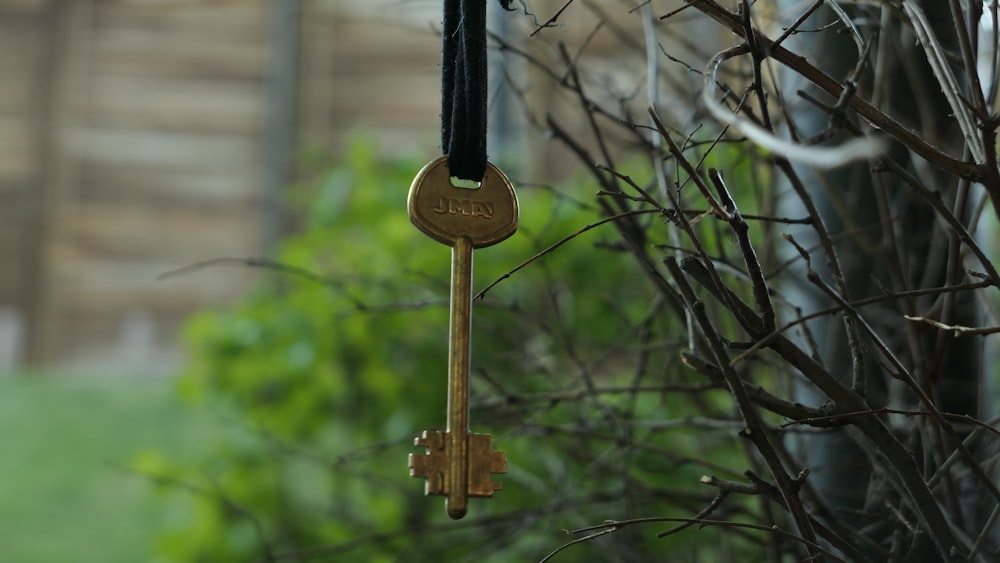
[463,88]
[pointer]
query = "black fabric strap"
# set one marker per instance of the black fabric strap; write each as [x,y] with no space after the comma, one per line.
[463,88]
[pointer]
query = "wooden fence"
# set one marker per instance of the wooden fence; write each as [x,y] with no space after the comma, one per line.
[137,137]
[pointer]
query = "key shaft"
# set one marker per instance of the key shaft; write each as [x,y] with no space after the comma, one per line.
[459,351]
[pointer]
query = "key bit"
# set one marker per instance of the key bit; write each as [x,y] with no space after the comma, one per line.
[484,461]
[432,465]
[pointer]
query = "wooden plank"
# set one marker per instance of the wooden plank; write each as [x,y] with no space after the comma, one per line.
[21,40]
[18,93]
[18,148]
[144,233]
[21,49]
[385,45]
[356,62]
[162,53]
[115,285]
[314,127]
[10,254]
[167,149]
[12,8]
[102,182]
[177,104]
[210,288]
[376,97]
[375,61]
[177,297]
[222,18]
[10,191]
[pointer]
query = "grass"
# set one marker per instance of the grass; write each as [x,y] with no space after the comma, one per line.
[66,493]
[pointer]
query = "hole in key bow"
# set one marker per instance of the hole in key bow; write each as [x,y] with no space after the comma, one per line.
[465,184]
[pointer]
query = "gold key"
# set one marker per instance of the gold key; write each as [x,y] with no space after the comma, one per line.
[457,463]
